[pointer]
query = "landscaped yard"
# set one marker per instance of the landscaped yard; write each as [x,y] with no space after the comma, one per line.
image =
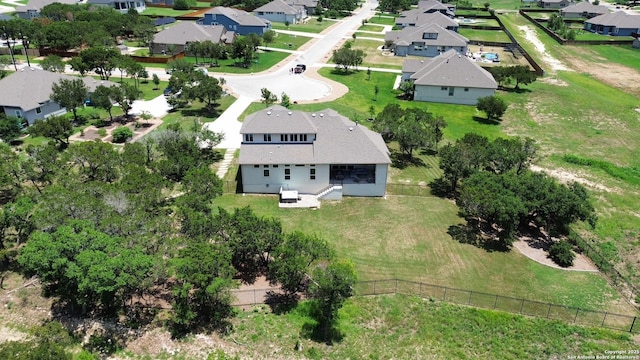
[187,117]
[312,26]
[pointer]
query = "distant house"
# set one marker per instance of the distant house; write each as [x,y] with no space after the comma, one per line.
[309,5]
[4,17]
[280,11]
[449,78]
[33,7]
[583,9]
[322,153]
[430,6]
[185,32]
[617,23]
[122,6]
[428,40]
[420,19]
[26,93]
[238,21]
[554,4]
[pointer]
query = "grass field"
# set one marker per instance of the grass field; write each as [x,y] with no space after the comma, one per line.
[382,20]
[282,41]
[403,327]
[484,35]
[164,11]
[369,27]
[187,116]
[312,26]
[265,61]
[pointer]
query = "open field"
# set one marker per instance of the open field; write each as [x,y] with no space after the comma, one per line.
[373,56]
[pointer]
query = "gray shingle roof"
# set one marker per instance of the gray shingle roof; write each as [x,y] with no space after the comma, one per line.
[420,18]
[412,66]
[431,4]
[412,34]
[39,4]
[277,6]
[338,139]
[239,16]
[585,6]
[619,19]
[29,88]
[453,69]
[306,3]
[188,31]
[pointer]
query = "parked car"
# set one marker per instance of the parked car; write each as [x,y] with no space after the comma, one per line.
[300,68]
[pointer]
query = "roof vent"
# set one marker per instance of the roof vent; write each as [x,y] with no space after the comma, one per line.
[289,113]
[278,114]
[459,56]
[269,112]
[350,128]
[321,115]
[313,115]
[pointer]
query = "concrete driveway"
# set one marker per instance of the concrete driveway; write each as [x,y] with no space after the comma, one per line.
[157,107]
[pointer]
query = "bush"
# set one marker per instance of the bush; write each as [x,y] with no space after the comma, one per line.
[561,253]
[180,5]
[122,134]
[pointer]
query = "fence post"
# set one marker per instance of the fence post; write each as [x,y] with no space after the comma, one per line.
[603,319]
[576,317]
[495,304]
[549,311]
[633,323]
[470,293]
[521,306]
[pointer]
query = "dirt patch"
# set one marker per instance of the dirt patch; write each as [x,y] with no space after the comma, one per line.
[537,250]
[567,177]
[7,334]
[532,37]
[92,133]
[553,81]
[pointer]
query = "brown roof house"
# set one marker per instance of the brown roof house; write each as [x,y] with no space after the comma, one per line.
[418,18]
[428,40]
[26,93]
[449,78]
[583,9]
[185,32]
[280,11]
[617,23]
[321,153]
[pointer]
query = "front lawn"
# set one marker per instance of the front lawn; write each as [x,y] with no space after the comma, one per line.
[312,26]
[266,59]
[187,117]
[382,20]
[369,27]
[288,42]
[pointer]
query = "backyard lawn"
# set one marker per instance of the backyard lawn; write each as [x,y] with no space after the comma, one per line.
[150,11]
[484,35]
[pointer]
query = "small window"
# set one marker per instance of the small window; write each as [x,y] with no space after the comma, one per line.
[451,91]
[38,110]
[275,166]
[248,137]
[265,166]
[304,137]
[256,166]
[444,88]
[287,177]
[466,89]
[287,171]
[267,137]
[312,174]
[299,165]
[266,172]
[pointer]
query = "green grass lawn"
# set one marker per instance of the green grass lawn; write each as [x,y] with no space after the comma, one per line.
[621,54]
[187,116]
[484,35]
[312,26]
[382,20]
[369,27]
[483,22]
[404,327]
[164,11]
[266,59]
[282,41]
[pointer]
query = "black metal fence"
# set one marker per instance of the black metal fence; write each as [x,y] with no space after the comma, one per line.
[509,304]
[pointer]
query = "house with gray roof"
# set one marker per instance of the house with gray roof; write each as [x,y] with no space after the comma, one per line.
[26,93]
[33,7]
[418,18]
[583,9]
[309,5]
[238,21]
[430,6]
[617,23]
[322,153]
[449,78]
[123,6]
[428,40]
[554,4]
[185,32]
[280,11]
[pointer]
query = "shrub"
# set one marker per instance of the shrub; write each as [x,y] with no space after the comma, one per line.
[561,253]
[102,132]
[122,134]
[180,5]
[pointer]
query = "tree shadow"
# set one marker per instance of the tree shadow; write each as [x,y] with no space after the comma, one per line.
[281,303]
[208,112]
[485,121]
[516,90]
[472,233]
[440,187]
[400,160]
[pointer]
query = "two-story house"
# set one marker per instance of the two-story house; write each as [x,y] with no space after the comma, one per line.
[238,21]
[429,41]
[311,153]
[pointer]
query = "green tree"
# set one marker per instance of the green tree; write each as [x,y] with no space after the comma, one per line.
[104,97]
[330,288]
[156,82]
[501,74]
[376,90]
[285,100]
[57,128]
[407,89]
[493,106]
[201,185]
[121,134]
[125,95]
[53,63]
[101,60]
[17,215]
[268,37]
[10,128]
[70,94]
[96,160]
[207,90]
[346,58]
[561,253]
[268,97]
[522,75]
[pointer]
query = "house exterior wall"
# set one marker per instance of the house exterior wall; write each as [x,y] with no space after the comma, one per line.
[441,94]
[609,30]
[159,48]
[232,25]
[29,14]
[365,189]
[427,50]
[46,110]
[254,181]
[553,5]
[282,18]
[578,15]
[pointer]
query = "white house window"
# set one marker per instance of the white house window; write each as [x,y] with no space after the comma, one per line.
[266,172]
[303,137]
[256,166]
[248,137]
[451,91]
[267,137]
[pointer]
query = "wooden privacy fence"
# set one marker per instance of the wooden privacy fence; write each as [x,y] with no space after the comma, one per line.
[568,314]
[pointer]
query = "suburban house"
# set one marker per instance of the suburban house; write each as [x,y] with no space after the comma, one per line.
[238,21]
[122,6]
[33,7]
[554,4]
[309,5]
[617,23]
[4,17]
[185,32]
[428,40]
[430,6]
[279,11]
[583,9]
[421,19]
[321,153]
[26,93]
[449,78]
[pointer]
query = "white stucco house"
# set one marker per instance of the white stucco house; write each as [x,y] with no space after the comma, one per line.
[449,78]
[322,153]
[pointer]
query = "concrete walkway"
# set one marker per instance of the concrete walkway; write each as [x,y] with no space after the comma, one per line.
[226,162]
